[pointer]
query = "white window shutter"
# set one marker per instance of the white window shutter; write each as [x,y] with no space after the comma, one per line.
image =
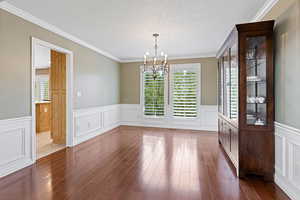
[43,87]
[154,97]
[185,90]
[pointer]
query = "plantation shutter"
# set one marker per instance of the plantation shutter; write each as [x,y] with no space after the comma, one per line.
[44,89]
[185,90]
[153,95]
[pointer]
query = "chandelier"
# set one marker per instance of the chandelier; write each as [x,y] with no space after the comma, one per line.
[158,64]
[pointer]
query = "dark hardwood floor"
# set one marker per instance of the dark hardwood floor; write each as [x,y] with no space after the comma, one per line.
[137,163]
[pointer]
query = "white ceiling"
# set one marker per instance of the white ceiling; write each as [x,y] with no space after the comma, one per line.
[123,28]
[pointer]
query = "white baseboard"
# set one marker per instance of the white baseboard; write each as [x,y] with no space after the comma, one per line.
[15,142]
[95,133]
[92,122]
[287,159]
[170,126]
[283,183]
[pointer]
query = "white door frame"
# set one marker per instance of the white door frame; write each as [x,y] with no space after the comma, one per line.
[69,103]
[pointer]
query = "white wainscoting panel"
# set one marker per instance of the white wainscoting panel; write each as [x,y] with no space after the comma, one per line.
[287,159]
[110,117]
[94,121]
[15,145]
[131,114]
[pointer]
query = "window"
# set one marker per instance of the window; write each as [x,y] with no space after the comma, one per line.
[185,87]
[183,99]
[42,87]
[154,94]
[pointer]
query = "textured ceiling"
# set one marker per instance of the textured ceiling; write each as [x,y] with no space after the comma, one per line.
[123,28]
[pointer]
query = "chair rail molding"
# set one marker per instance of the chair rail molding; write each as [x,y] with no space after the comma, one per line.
[287,159]
[15,142]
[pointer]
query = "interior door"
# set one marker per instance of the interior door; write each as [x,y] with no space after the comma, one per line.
[58,97]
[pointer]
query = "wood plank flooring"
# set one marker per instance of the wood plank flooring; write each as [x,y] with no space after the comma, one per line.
[137,163]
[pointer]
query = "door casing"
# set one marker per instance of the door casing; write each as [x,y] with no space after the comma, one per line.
[69,91]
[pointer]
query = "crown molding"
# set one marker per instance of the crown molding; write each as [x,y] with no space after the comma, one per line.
[261,13]
[268,5]
[204,55]
[35,20]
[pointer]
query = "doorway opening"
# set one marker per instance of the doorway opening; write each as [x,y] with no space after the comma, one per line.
[51,98]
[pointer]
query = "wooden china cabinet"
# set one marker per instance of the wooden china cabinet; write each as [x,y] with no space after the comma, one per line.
[246,99]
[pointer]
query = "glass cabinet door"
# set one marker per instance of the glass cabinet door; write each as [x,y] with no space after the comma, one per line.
[220,85]
[234,81]
[256,67]
[226,66]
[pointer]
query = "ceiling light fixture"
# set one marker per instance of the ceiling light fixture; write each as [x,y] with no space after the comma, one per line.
[156,64]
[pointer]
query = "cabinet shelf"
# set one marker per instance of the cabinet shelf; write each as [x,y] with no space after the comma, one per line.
[257,103]
[255,59]
[253,67]
[256,82]
[254,114]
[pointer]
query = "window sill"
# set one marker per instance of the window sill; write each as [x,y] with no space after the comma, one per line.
[171,118]
[186,119]
[153,117]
